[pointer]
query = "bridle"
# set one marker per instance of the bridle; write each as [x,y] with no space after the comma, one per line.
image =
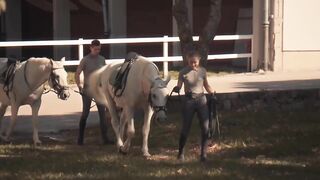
[156,109]
[56,86]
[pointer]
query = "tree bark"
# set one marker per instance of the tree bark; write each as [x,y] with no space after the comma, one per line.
[180,12]
[2,6]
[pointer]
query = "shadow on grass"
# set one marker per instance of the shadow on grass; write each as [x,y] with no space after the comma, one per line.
[261,145]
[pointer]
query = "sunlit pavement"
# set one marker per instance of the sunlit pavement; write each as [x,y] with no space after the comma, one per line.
[56,114]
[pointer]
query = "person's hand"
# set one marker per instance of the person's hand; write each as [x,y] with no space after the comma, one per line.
[213,96]
[80,89]
[176,89]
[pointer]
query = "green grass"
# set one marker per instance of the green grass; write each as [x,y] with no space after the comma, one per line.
[70,77]
[260,145]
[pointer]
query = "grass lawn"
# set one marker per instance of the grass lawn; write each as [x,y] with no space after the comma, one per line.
[260,145]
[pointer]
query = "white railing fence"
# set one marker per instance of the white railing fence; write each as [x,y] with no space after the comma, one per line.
[165,40]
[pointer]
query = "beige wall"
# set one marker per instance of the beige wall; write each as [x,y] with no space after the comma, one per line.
[295,37]
[293,61]
[301,27]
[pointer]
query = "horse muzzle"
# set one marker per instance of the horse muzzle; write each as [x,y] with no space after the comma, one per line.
[162,119]
[64,95]
[161,114]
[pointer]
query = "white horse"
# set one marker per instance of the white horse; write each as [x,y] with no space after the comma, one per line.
[144,90]
[28,87]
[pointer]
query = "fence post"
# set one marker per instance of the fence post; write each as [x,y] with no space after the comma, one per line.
[80,49]
[251,51]
[165,56]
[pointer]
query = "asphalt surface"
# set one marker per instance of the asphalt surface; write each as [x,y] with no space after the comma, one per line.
[56,115]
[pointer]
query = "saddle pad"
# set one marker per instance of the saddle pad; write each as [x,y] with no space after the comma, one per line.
[112,78]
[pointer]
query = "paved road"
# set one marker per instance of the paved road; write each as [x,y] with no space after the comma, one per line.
[56,115]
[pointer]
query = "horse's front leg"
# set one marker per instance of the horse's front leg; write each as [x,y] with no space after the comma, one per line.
[115,125]
[145,130]
[129,120]
[123,121]
[3,109]
[35,110]
[14,115]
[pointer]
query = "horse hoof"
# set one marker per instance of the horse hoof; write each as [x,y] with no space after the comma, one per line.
[122,151]
[37,143]
[147,154]
[4,139]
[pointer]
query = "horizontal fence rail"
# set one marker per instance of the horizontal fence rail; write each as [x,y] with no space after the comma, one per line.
[165,40]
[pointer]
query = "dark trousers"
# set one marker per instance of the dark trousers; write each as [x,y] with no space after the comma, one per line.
[86,104]
[191,106]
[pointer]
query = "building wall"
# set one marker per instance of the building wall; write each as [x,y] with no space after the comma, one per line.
[148,19]
[143,18]
[299,38]
[301,60]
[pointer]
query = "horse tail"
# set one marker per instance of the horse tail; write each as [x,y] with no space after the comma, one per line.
[97,87]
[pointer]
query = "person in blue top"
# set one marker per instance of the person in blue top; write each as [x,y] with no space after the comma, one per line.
[194,79]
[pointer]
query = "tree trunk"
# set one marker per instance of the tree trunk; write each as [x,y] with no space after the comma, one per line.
[180,12]
[2,6]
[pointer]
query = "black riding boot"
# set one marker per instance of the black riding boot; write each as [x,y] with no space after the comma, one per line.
[182,142]
[204,147]
[82,127]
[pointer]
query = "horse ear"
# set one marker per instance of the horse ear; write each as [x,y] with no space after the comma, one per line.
[62,60]
[166,81]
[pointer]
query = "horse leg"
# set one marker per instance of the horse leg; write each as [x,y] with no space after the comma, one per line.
[122,125]
[130,129]
[145,130]
[115,125]
[3,109]
[35,110]
[14,115]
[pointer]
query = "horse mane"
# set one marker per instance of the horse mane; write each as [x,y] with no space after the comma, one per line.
[39,59]
[45,60]
[147,61]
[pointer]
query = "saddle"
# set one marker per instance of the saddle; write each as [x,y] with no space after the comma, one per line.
[8,68]
[5,63]
[118,78]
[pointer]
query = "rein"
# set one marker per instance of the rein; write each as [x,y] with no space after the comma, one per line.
[82,94]
[171,95]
